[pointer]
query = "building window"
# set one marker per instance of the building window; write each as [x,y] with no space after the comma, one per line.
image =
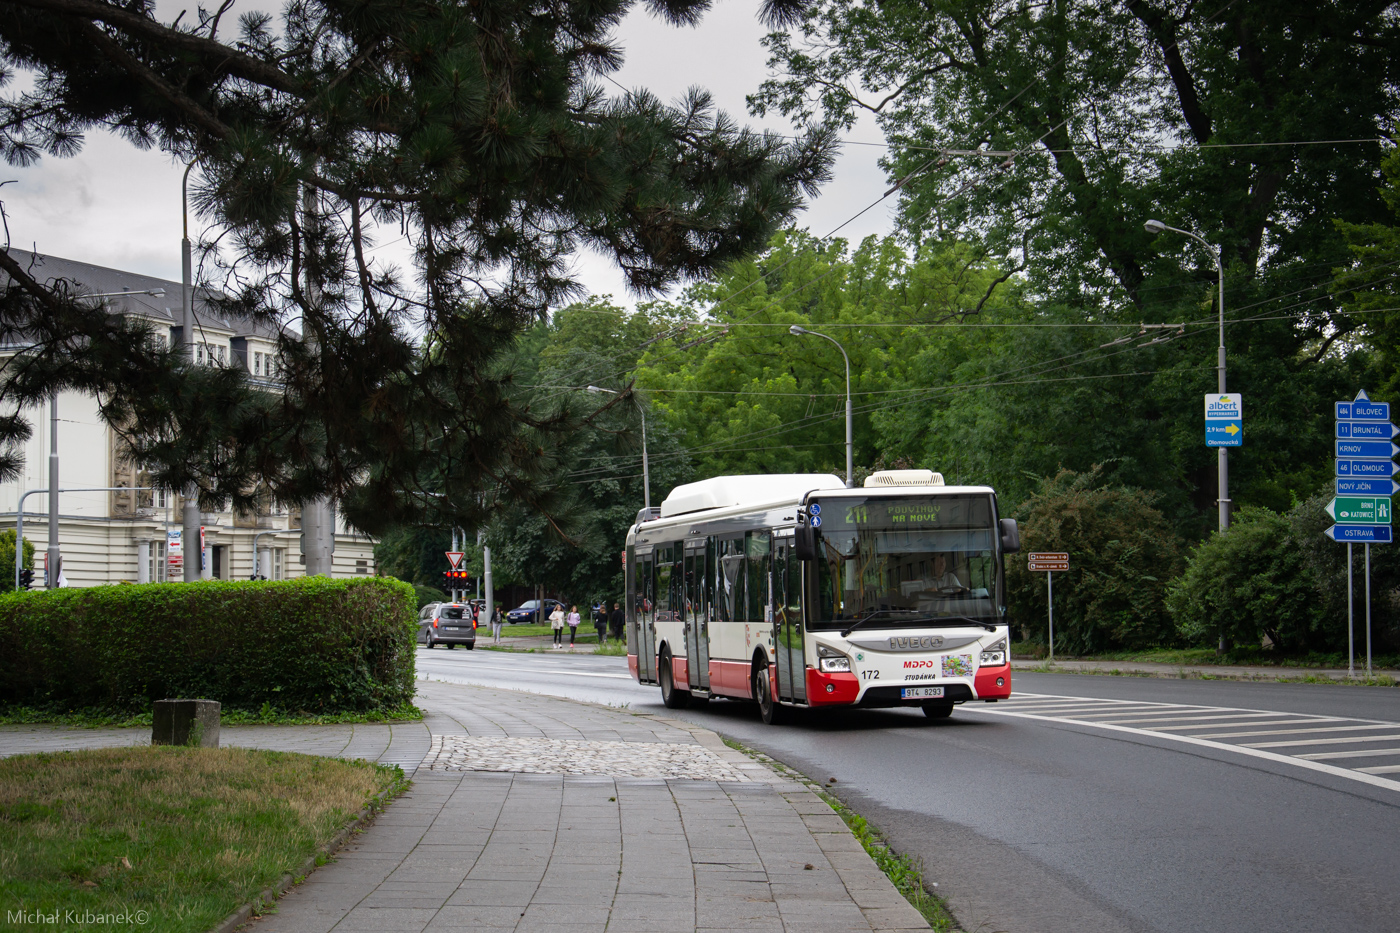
[361,568]
[160,499]
[257,364]
[277,572]
[155,568]
[221,356]
[199,353]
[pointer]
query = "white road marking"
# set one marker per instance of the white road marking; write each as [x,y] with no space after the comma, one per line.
[1358,753]
[1241,735]
[1352,739]
[1170,718]
[1368,775]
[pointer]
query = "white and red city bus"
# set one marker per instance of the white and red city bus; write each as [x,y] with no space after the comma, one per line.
[794,591]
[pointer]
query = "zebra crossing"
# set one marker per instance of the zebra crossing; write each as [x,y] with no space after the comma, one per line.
[1360,749]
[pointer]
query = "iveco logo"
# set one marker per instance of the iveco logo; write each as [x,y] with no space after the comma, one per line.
[916,643]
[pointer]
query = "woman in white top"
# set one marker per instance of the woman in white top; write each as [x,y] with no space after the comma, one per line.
[556,622]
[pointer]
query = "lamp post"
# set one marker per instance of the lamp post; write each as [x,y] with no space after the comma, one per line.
[1155,227]
[801,331]
[646,472]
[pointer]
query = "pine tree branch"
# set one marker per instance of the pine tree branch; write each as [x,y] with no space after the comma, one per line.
[225,58]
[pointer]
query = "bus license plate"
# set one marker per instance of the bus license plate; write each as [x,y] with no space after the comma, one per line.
[914,693]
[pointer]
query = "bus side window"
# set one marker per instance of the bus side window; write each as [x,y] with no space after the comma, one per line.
[730,580]
[756,552]
[662,556]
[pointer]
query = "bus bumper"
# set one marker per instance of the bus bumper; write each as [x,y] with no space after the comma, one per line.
[831,689]
[993,683]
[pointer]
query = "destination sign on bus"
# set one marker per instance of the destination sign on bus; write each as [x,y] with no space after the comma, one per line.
[911,512]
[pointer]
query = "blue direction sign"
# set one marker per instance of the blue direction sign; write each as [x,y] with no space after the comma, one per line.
[1224,420]
[1370,450]
[1348,486]
[1361,534]
[1363,409]
[1367,430]
[1367,468]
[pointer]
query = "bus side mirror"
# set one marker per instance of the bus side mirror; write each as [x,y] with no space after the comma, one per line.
[804,543]
[1010,536]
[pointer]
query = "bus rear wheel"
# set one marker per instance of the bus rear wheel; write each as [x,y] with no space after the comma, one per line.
[939,710]
[671,696]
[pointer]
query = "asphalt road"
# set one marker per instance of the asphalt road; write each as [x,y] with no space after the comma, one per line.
[1091,803]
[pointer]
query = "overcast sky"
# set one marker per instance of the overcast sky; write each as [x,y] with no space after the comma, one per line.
[114,205]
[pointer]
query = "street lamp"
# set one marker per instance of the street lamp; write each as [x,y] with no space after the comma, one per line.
[801,331]
[646,471]
[1155,227]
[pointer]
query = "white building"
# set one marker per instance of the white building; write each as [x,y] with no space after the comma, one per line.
[120,536]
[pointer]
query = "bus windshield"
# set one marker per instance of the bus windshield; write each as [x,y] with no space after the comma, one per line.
[905,561]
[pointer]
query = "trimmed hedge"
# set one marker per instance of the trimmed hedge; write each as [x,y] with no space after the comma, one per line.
[315,644]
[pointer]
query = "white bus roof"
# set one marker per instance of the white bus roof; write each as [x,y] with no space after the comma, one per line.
[723,492]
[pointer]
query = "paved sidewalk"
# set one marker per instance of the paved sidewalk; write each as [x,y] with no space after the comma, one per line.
[531,814]
[1221,671]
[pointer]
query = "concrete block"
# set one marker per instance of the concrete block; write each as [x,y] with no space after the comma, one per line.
[186,722]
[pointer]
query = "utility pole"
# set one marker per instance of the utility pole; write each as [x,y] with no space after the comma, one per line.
[193,554]
[317,516]
[55,558]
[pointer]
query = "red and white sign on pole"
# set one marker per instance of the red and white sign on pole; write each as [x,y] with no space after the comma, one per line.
[1049,563]
[455,558]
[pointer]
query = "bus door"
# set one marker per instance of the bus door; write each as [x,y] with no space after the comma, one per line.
[697,608]
[643,636]
[787,622]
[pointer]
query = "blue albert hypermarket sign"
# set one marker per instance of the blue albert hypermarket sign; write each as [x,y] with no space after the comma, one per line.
[1224,419]
[1365,467]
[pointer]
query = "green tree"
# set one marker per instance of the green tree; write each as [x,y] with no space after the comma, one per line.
[1245,584]
[748,397]
[480,131]
[1121,551]
[7,558]
[1062,99]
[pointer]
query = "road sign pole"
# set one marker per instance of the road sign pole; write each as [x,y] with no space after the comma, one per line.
[1368,610]
[1050,599]
[1351,629]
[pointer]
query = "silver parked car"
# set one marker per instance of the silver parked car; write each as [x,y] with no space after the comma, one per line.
[449,624]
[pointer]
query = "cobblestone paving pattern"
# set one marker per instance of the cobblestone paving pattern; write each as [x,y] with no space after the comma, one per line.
[574,756]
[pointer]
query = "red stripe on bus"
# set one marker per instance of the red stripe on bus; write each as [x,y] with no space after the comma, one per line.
[680,671]
[730,678]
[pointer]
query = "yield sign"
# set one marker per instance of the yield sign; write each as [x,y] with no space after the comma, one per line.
[455,558]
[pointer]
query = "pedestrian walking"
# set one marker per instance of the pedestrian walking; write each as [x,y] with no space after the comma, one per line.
[600,622]
[556,622]
[617,620]
[574,620]
[497,621]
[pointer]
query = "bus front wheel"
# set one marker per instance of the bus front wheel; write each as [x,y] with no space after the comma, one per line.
[772,712]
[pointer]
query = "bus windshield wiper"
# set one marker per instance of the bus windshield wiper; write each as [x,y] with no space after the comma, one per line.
[986,625]
[868,616]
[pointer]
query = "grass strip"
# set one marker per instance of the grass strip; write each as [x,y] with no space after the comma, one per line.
[108,717]
[905,872]
[166,839]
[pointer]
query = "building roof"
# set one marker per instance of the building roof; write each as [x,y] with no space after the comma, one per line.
[100,279]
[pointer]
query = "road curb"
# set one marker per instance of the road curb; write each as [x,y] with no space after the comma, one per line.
[269,895]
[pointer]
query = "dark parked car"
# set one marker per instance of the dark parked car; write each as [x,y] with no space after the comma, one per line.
[449,624]
[527,610]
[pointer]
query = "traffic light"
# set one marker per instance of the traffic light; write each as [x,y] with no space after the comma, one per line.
[455,580]
[26,578]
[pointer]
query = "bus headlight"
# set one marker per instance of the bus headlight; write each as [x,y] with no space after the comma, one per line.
[994,655]
[830,661]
